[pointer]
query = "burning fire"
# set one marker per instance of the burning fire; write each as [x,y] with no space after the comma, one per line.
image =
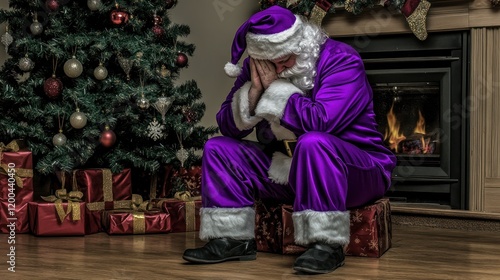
[392,134]
[417,143]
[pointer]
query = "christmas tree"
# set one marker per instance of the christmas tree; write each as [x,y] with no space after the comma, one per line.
[92,84]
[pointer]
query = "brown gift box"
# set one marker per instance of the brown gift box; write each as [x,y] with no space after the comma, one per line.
[370,229]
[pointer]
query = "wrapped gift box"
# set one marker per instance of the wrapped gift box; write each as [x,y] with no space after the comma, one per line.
[16,185]
[184,215]
[180,180]
[136,222]
[19,217]
[102,190]
[274,229]
[370,229]
[45,221]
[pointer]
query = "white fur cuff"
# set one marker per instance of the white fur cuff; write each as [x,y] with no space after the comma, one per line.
[280,168]
[273,101]
[332,227]
[241,109]
[236,223]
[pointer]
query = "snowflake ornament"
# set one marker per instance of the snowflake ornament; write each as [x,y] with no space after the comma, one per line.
[155,130]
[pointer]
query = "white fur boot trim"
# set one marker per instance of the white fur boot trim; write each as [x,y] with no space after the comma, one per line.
[331,227]
[280,168]
[236,223]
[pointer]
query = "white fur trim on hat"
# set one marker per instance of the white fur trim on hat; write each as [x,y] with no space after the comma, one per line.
[232,70]
[273,46]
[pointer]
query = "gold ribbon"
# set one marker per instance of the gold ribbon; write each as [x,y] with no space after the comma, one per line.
[152,186]
[107,188]
[72,198]
[19,173]
[139,222]
[190,208]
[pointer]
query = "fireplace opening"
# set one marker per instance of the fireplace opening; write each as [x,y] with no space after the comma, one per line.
[419,88]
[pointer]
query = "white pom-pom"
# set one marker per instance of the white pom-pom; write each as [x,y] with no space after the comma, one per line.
[232,70]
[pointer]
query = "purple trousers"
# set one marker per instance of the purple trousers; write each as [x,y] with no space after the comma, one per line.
[327,174]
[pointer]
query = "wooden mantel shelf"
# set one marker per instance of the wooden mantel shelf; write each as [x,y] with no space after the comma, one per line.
[443,15]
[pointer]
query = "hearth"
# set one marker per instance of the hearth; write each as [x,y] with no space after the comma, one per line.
[418,93]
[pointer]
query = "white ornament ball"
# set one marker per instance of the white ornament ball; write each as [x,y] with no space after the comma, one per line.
[26,64]
[59,139]
[94,5]
[36,28]
[100,72]
[78,119]
[73,68]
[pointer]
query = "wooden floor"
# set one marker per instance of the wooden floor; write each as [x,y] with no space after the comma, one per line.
[417,253]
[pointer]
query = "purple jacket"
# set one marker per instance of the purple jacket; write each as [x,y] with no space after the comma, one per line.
[339,104]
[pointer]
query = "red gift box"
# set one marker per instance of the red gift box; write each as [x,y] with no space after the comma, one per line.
[16,185]
[15,220]
[102,190]
[370,229]
[136,222]
[45,221]
[274,229]
[184,212]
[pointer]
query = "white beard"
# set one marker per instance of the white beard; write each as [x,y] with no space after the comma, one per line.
[302,73]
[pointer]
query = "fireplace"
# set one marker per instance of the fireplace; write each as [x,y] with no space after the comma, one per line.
[418,92]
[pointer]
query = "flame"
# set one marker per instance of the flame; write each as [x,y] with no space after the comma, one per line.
[420,129]
[392,134]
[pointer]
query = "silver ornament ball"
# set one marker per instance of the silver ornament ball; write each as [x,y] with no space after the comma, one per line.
[94,5]
[73,68]
[100,72]
[59,139]
[36,28]
[26,64]
[78,119]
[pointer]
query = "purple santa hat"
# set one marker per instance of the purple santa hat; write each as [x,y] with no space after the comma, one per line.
[269,34]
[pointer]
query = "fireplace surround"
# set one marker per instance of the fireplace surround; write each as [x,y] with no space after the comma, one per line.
[419,89]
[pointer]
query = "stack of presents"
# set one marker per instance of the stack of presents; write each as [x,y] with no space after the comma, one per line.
[88,201]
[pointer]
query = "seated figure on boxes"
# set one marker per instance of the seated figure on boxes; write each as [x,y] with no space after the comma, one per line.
[308,98]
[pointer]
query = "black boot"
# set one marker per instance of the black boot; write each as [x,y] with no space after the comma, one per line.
[320,258]
[223,249]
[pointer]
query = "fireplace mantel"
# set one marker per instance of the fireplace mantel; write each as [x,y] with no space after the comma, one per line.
[444,15]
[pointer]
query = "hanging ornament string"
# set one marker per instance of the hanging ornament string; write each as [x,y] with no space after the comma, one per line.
[60,122]
[142,102]
[54,66]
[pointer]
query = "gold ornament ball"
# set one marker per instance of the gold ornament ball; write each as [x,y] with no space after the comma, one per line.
[59,139]
[73,68]
[143,103]
[78,119]
[100,72]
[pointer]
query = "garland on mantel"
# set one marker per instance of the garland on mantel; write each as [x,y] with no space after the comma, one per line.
[414,11]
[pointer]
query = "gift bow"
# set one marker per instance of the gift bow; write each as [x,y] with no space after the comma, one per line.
[73,198]
[186,196]
[13,146]
[138,204]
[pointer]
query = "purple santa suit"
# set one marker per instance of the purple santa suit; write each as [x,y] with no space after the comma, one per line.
[339,162]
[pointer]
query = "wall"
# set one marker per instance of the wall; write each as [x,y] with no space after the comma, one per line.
[213,24]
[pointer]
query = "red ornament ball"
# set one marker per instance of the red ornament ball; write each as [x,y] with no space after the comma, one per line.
[107,138]
[170,3]
[53,87]
[182,60]
[119,17]
[52,5]
[158,31]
